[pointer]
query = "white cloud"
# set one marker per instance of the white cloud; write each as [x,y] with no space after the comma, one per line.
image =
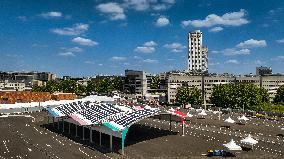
[76,29]
[159,7]
[139,5]
[145,49]
[150,43]
[66,54]
[169,1]
[251,43]
[89,62]
[175,47]
[278,58]
[280,41]
[228,19]
[148,47]
[114,10]
[73,49]
[162,21]
[150,61]
[52,14]
[232,62]
[214,63]
[142,5]
[84,41]
[100,64]
[233,51]
[216,29]
[22,18]
[118,58]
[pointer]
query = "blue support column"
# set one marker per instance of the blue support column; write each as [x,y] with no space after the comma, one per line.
[123,135]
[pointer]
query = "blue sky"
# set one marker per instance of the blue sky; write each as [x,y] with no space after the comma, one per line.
[89,37]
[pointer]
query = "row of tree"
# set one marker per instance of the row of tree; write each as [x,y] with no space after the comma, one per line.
[98,85]
[236,96]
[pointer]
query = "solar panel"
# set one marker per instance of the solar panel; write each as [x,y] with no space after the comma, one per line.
[120,121]
[96,114]
[67,109]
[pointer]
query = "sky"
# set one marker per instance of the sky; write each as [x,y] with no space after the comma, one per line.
[90,37]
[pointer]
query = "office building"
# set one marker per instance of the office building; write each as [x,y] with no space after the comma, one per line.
[197,53]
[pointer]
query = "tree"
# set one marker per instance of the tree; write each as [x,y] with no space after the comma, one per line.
[51,86]
[279,97]
[68,86]
[188,95]
[155,82]
[239,96]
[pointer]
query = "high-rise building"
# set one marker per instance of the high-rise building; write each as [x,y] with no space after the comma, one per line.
[197,54]
[260,71]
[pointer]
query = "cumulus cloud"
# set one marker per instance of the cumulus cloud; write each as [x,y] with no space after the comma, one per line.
[89,62]
[162,21]
[216,29]
[66,54]
[234,51]
[73,49]
[148,47]
[150,43]
[22,18]
[232,62]
[228,19]
[150,61]
[251,43]
[76,29]
[280,41]
[175,47]
[84,41]
[113,10]
[118,58]
[278,58]
[142,5]
[51,14]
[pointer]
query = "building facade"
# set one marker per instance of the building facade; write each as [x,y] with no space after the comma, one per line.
[135,83]
[260,71]
[197,53]
[206,83]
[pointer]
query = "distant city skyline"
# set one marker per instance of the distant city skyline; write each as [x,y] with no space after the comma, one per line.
[85,38]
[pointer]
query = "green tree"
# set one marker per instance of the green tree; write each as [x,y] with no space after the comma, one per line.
[51,86]
[68,86]
[239,96]
[279,97]
[188,95]
[155,82]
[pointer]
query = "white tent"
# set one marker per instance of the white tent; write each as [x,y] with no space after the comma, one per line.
[249,140]
[229,120]
[202,113]
[243,118]
[232,146]
[189,115]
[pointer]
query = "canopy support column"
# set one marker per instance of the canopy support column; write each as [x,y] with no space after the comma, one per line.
[83,132]
[110,142]
[76,133]
[91,134]
[62,125]
[69,128]
[53,122]
[58,124]
[182,122]
[170,122]
[100,138]
[123,135]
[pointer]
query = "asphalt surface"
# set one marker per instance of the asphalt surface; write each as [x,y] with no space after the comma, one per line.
[33,138]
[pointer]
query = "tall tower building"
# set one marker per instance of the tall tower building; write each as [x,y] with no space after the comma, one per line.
[197,54]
